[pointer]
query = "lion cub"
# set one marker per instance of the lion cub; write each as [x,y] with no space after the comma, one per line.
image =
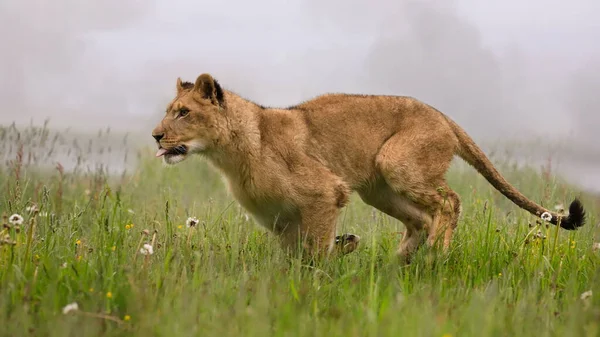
[293,169]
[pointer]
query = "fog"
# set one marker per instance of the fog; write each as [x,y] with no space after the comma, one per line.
[504,70]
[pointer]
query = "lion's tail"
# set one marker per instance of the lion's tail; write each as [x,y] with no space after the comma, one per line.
[473,155]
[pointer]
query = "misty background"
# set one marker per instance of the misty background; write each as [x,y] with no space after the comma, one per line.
[504,70]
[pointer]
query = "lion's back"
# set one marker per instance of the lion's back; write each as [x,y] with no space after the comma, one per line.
[346,131]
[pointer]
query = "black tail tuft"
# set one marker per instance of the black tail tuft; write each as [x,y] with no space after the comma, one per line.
[576,216]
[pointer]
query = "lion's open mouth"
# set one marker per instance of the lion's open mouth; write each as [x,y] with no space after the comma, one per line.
[174,151]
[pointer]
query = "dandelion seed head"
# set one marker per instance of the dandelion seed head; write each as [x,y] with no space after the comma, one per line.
[147,249]
[191,222]
[15,219]
[70,307]
[31,209]
[585,295]
[546,216]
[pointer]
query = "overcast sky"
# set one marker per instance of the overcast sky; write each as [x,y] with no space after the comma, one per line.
[500,68]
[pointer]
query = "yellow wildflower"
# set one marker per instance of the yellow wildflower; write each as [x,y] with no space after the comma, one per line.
[127,318]
[109,295]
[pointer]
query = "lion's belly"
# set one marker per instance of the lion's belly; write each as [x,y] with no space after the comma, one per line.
[277,222]
[275,214]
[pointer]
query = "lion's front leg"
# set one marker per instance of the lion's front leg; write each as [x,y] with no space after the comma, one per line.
[315,234]
[300,243]
[318,229]
[319,197]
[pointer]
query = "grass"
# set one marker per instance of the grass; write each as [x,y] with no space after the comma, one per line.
[505,275]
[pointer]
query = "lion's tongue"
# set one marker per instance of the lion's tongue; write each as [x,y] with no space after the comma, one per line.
[161,152]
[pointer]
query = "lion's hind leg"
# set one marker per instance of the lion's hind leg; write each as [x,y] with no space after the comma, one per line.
[414,166]
[414,218]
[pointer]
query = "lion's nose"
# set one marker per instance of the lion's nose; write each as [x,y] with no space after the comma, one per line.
[158,137]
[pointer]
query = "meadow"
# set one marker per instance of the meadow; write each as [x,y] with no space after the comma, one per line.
[95,253]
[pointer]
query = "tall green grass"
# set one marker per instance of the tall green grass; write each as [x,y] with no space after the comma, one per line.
[505,275]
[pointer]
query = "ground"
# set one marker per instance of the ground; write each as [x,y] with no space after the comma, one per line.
[505,275]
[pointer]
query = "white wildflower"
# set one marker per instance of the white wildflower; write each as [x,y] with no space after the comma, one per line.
[191,222]
[147,249]
[31,209]
[584,296]
[70,307]
[596,246]
[15,219]
[130,211]
[546,216]
[63,266]
[87,192]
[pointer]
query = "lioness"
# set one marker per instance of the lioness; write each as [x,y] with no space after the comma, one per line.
[293,169]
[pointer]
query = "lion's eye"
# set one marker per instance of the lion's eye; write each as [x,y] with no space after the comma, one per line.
[183,112]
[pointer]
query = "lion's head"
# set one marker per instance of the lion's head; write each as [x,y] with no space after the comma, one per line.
[193,122]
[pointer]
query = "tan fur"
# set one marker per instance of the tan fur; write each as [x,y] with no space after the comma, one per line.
[293,169]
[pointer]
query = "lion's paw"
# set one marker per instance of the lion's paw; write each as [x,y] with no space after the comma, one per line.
[347,243]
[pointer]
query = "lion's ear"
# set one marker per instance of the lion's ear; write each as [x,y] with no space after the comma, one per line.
[179,85]
[209,88]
